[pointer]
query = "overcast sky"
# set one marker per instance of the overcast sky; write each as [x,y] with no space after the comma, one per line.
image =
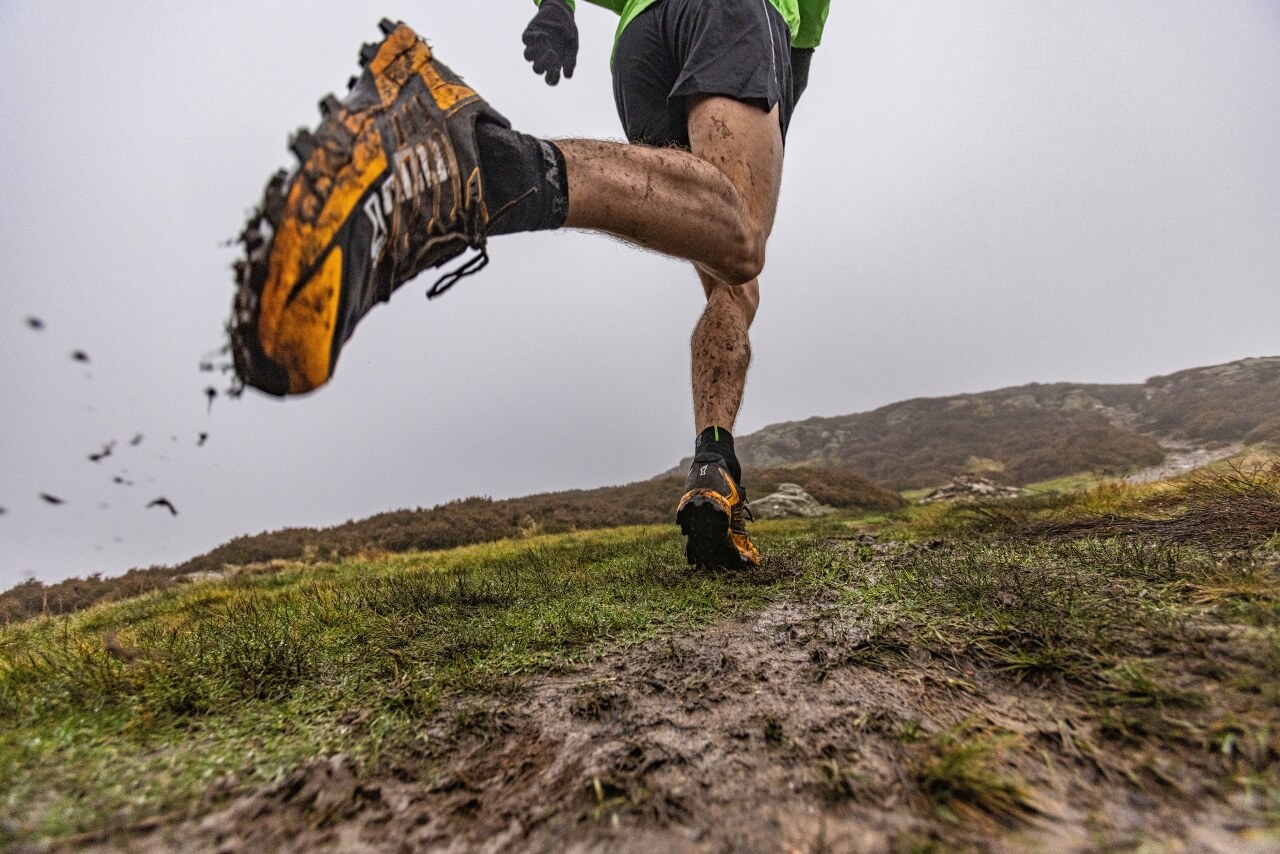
[977,194]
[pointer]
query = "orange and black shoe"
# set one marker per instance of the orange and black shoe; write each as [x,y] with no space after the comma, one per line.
[713,516]
[387,186]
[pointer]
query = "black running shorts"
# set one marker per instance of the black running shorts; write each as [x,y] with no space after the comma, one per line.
[677,49]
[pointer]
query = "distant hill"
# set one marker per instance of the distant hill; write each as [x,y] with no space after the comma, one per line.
[1033,432]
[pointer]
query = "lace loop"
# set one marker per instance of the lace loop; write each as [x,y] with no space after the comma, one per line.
[471,266]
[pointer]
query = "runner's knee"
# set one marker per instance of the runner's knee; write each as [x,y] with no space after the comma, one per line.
[748,299]
[744,256]
[744,299]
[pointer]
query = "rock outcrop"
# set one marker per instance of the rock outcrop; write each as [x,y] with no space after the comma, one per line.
[789,500]
[968,487]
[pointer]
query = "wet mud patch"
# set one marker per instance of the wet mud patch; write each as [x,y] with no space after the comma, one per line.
[780,732]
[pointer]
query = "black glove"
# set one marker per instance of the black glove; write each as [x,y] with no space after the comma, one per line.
[551,41]
[800,59]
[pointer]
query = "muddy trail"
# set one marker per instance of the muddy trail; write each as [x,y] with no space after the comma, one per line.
[761,734]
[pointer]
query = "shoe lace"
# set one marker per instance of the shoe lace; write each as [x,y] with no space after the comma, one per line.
[470,267]
[476,262]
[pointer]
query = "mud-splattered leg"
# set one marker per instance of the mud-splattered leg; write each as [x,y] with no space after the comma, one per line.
[713,205]
[721,351]
[748,152]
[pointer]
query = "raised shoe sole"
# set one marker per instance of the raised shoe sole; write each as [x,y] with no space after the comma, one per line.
[704,519]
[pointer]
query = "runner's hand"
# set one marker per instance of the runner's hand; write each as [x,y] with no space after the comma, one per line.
[551,41]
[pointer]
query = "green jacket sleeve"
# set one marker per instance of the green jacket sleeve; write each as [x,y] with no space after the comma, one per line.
[615,5]
[813,17]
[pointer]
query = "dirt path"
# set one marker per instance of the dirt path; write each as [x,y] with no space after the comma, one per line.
[765,734]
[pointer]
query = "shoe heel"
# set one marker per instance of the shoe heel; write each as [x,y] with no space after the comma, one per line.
[706,529]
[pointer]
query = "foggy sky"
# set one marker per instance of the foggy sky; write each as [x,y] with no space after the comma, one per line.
[977,194]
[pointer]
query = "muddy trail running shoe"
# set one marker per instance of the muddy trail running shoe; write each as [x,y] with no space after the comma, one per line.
[713,516]
[387,186]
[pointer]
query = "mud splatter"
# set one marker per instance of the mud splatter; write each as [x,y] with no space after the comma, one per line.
[165,503]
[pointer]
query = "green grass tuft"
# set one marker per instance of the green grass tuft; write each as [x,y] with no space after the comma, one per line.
[959,770]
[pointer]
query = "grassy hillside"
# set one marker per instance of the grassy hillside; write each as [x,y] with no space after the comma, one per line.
[934,679]
[466,522]
[130,709]
[1021,435]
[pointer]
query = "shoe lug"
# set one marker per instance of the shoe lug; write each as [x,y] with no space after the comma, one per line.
[273,200]
[303,144]
[330,105]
